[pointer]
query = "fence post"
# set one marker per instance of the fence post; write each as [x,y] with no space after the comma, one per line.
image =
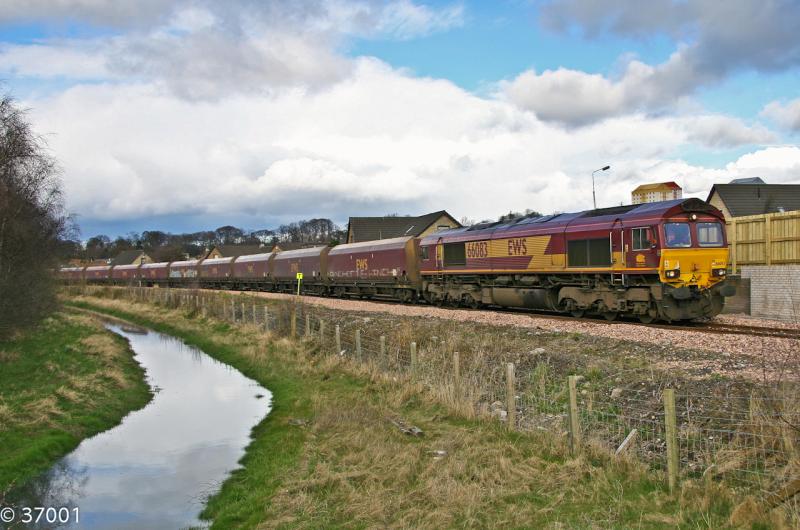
[456,375]
[266,318]
[244,315]
[293,322]
[383,345]
[511,397]
[308,325]
[358,345]
[574,424]
[672,438]
[338,340]
[255,314]
[413,358]
[321,332]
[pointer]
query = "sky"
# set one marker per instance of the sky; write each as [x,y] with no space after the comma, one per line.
[185,115]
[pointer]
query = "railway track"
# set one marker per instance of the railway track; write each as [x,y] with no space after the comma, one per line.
[697,327]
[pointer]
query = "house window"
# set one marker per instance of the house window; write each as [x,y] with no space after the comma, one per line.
[589,253]
[455,254]
[442,227]
[642,239]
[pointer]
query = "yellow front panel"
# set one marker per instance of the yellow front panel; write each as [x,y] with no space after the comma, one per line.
[695,265]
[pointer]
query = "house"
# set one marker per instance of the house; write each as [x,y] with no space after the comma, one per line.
[743,197]
[661,191]
[131,257]
[227,251]
[374,228]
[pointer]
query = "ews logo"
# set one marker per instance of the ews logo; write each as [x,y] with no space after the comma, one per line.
[517,247]
[361,264]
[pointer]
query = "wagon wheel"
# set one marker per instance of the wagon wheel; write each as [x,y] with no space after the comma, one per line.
[610,315]
[647,318]
[578,313]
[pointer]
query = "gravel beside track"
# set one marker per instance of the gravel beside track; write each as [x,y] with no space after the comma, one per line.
[752,357]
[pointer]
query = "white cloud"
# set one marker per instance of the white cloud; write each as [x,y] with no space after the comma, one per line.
[76,60]
[713,40]
[786,115]
[376,142]
[718,131]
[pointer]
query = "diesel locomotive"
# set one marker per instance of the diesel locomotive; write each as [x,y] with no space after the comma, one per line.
[655,261]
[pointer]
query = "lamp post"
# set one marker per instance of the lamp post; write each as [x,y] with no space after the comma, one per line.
[594,198]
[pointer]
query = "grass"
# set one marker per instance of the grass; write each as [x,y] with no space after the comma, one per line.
[329,455]
[60,383]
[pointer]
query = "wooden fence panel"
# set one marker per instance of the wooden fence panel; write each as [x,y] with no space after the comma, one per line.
[765,239]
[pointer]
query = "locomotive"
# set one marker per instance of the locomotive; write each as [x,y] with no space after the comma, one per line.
[655,261]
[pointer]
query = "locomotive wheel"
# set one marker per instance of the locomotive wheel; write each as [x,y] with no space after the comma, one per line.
[469,301]
[646,319]
[610,315]
[578,313]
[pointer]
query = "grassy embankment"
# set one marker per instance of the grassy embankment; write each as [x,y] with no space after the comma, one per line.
[61,382]
[349,466]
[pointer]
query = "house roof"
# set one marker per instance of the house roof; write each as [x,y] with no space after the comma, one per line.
[748,180]
[374,228]
[756,199]
[657,186]
[292,245]
[127,257]
[235,251]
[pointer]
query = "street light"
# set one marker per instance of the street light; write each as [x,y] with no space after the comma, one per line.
[594,198]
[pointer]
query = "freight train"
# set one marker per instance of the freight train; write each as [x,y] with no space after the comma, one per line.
[655,261]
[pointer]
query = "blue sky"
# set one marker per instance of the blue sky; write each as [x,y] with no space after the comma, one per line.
[190,114]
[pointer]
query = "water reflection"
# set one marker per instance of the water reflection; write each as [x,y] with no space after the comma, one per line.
[156,468]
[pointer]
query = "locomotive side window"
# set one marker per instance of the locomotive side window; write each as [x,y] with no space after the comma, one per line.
[709,234]
[678,235]
[424,253]
[589,253]
[642,238]
[455,254]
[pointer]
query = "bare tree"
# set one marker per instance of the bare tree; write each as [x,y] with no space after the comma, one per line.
[32,222]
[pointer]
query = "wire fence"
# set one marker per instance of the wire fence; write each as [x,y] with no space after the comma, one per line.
[751,442]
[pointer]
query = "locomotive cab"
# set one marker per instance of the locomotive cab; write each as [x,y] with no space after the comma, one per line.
[693,259]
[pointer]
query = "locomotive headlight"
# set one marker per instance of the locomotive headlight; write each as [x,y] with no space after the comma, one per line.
[674,273]
[719,273]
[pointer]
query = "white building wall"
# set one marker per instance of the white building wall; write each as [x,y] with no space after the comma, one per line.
[774,291]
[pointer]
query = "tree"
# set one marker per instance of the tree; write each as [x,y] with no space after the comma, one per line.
[33,222]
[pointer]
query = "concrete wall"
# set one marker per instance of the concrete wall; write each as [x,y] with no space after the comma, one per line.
[774,291]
